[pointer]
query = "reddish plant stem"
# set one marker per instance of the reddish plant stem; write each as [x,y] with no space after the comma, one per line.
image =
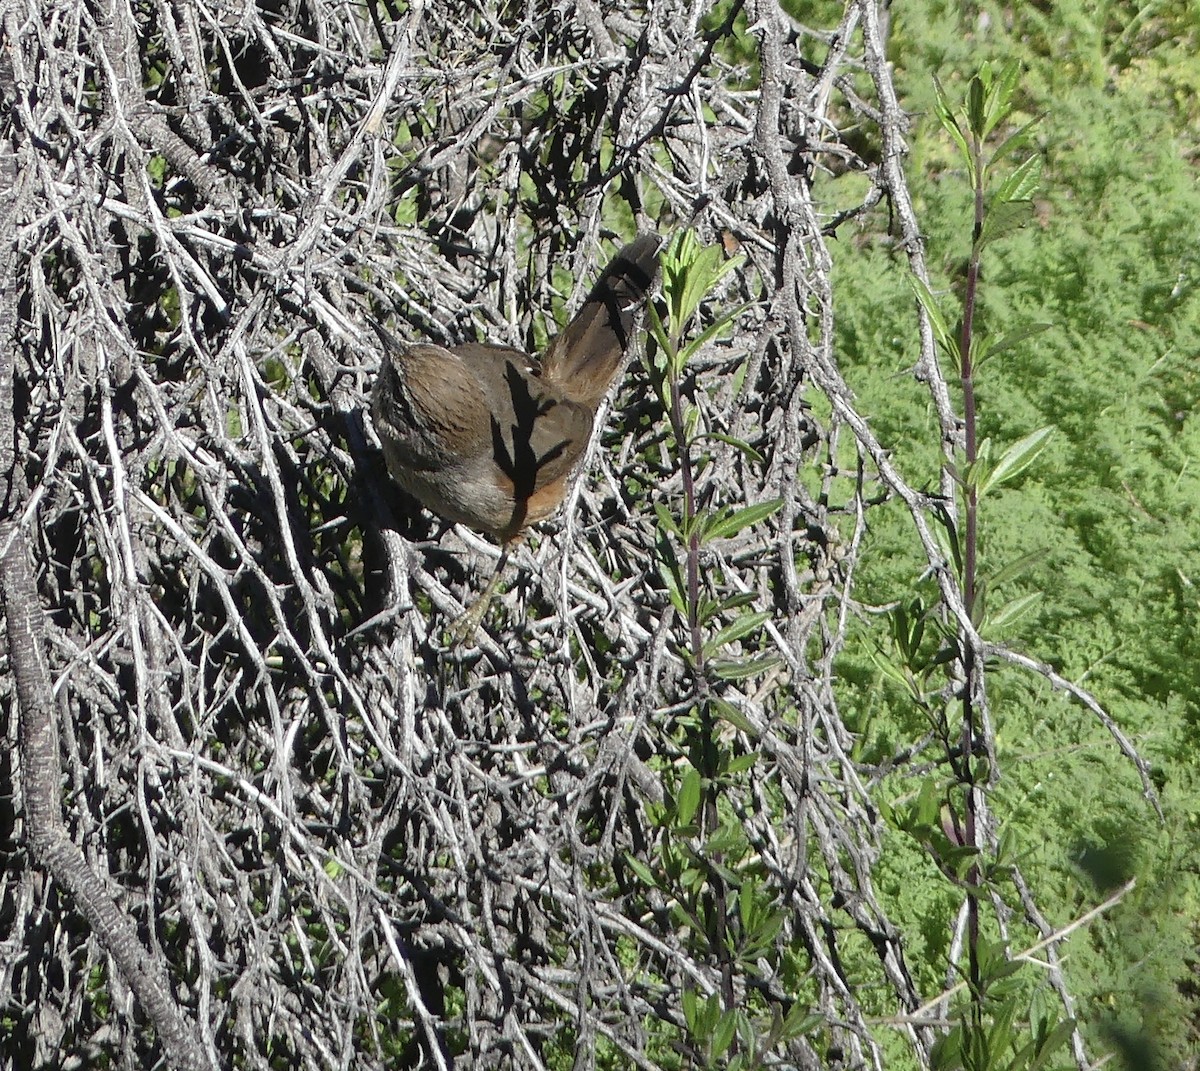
[970,559]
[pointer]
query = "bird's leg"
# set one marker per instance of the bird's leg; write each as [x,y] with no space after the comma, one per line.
[465,625]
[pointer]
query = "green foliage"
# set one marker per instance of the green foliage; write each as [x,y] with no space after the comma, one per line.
[1004,1045]
[690,274]
[703,864]
[1092,322]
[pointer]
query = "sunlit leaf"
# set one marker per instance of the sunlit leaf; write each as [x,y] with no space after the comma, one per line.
[745,517]
[641,870]
[1018,567]
[1011,339]
[975,102]
[949,120]
[1013,611]
[1017,458]
[688,799]
[941,330]
[723,1035]
[736,629]
[726,711]
[740,669]
[737,444]
[1023,182]
[1004,218]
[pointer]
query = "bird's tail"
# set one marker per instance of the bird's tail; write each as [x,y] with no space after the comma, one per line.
[586,357]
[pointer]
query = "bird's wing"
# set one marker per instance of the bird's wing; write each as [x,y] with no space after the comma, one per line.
[431,403]
[537,434]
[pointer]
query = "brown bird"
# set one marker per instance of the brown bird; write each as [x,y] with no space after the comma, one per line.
[488,436]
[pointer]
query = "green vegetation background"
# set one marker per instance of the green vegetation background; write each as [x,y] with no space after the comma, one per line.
[1112,264]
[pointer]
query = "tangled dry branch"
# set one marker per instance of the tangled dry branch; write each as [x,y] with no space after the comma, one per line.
[343,844]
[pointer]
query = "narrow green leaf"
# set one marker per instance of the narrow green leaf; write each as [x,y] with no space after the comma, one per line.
[929,802]
[800,1021]
[657,330]
[979,608]
[1023,182]
[975,111]
[764,934]
[737,444]
[710,1014]
[917,632]
[729,839]
[696,523]
[741,763]
[669,571]
[690,272]
[976,473]
[981,350]
[892,670]
[688,800]
[1012,611]
[1018,139]
[1004,218]
[946,1054]
[1017,458]
[943,656]
[1002,91]
[941,330]
[946,535]
[1011,339]
[736,629]
[740,669]
[901,630]
[949,120]
[722,1036]
[726,711]
[666,522]
[697,281]
[1017,568]
[708,609]
[998,100]
[698,343]
[688,1000]
[960,861]
[745,517]
[641,870]
[1059,1036]
[736,602]
[746,901]
[1004,970]
[693,879]
[774,1035]
[1001,1033]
